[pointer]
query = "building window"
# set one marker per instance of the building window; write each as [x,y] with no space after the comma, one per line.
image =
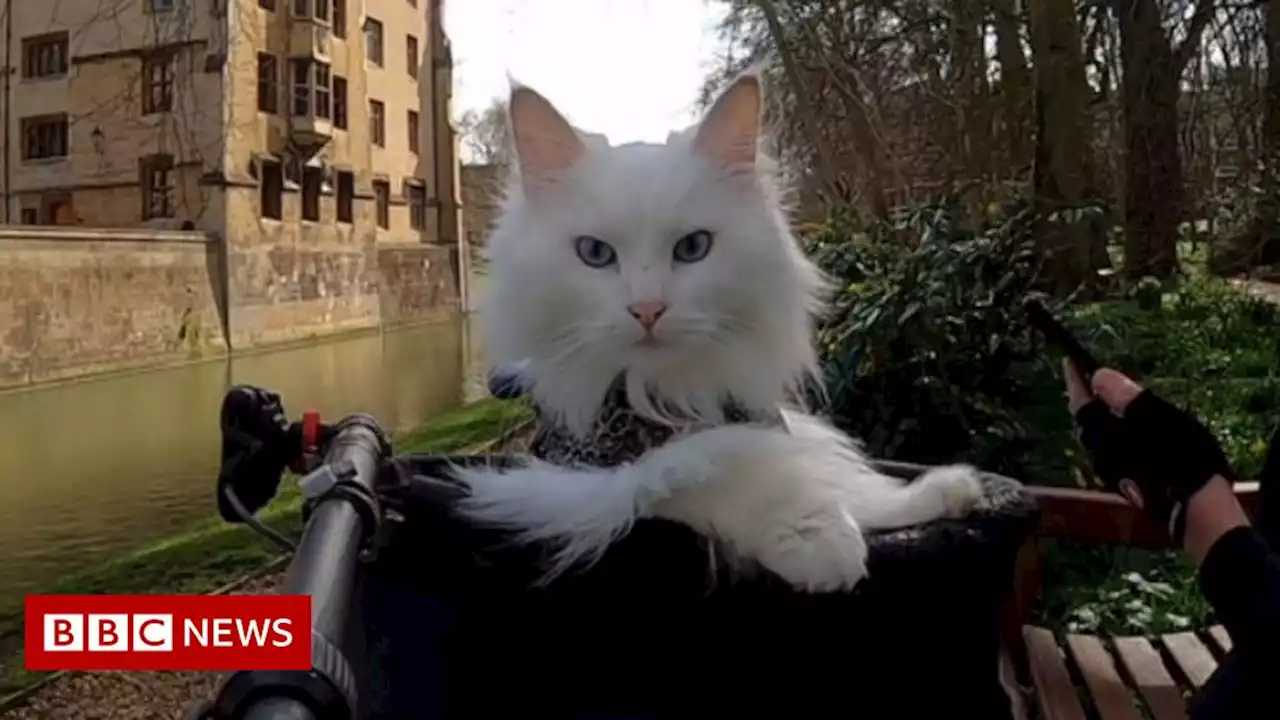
[301,87]
[157,84]
[373,41]
[271,190]
[312,182]
[30,216]
[44,137]
[158,6]
[318,9]
[340,18]
[156,178]
[339,102]
[311,83]
[411,55]
[382,198]
[346,196]
[268,83]
[267,5]
[412,123]
[417,206]
[321,83]
[377,123]
[44,56]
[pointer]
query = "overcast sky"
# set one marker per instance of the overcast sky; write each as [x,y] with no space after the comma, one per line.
[630,69]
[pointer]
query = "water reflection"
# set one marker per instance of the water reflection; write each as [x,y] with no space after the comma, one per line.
[92,469]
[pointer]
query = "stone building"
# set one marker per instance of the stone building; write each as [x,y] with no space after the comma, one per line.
[310,139]
[320,119]
[481,200]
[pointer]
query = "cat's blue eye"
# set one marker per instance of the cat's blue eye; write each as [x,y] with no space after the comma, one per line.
[692,247]
[594,251]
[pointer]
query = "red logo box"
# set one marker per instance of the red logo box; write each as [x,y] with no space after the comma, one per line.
[168,632]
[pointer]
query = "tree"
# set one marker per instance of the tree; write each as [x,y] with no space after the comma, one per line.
[1064,174]
[484,134]
[1153,192]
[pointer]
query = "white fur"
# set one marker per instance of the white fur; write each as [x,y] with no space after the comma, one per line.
[740,322]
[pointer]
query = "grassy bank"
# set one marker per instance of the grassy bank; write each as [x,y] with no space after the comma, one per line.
[214,553]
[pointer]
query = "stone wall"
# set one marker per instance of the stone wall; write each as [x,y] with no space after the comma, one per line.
[79,301]
[290,279]
[76,301]
[417,282]
[481,200]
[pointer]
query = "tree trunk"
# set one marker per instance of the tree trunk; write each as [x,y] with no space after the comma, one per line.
[1064,174]
[1015,86]
[1153,191]
[807,114]
[1264,245]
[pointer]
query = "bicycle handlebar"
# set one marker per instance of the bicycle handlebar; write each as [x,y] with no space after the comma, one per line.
[343,523]
[279,708]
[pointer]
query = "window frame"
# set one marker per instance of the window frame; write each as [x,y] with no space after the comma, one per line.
[382,203]
[345,202]
[28,125]
[159,71]
[59,42]
[153,168]
[416,196]
[379,57]
[311,189]
[269,87]
[377,123]
[341,109]
[271,168]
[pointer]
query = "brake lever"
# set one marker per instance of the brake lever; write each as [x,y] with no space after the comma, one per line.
[257,445]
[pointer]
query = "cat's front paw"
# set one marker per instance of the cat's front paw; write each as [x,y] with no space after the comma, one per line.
[821,553]
[956,488]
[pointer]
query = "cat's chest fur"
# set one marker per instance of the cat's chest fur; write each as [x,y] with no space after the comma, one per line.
[619,435]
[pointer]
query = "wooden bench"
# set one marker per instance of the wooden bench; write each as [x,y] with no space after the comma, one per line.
[1076,676]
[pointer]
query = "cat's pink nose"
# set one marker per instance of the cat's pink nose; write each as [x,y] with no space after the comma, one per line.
[647,312]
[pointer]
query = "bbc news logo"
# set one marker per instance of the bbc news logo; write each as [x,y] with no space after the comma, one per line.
[168,632]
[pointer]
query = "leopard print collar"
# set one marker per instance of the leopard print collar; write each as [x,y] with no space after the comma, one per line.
[620,435]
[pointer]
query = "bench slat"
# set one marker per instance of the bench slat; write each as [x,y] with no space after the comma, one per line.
[1058,699]
[1191,655]
[1147,669]
[1099,670]
[1220,638]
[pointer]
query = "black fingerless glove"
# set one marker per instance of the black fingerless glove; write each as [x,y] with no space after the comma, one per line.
[1165,450]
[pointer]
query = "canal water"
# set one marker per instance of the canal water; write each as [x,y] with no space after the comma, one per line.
[96,468]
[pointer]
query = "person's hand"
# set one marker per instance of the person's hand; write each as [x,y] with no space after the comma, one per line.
[1154,454]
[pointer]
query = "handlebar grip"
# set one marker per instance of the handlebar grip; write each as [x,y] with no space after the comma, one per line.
[278,708]
[324,567]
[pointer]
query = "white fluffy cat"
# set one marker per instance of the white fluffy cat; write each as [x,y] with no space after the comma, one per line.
[675,265]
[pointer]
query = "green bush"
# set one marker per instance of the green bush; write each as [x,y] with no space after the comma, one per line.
[926,355]
[928,359]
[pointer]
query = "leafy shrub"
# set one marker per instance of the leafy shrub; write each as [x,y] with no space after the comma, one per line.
[1241,242]
[926,355]
[1119,590]
[927,359]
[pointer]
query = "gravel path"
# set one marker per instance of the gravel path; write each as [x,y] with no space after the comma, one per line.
[127,696]
[1268,290]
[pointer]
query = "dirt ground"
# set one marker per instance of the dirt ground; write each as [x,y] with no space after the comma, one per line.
[127,696]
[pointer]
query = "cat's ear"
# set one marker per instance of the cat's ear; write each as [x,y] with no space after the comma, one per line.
[546,144]
[729,134]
